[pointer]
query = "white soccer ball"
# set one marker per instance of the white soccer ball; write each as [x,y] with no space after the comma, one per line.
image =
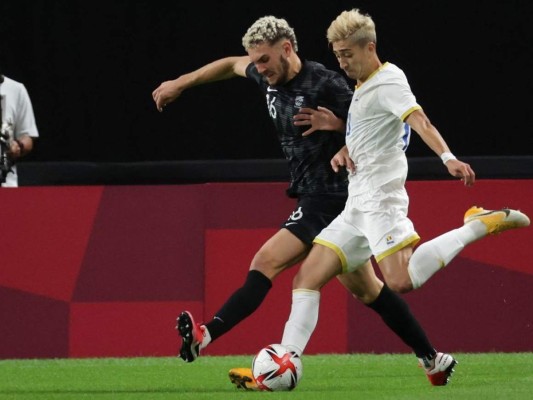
[276,368]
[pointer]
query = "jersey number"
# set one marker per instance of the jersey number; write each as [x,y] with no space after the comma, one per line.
[270,104]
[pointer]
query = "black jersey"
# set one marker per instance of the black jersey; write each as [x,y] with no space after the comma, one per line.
[308,156]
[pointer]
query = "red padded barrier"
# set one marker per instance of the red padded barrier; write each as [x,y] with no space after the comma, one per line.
[104,271]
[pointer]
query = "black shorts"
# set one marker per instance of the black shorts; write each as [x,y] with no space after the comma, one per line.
[312,214]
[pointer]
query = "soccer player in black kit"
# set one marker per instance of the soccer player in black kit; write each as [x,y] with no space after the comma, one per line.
[308,105]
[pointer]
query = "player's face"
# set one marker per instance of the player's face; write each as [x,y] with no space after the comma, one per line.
[353,58]
[271,62]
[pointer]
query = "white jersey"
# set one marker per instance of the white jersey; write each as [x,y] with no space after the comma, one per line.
[17,116]
[376,135]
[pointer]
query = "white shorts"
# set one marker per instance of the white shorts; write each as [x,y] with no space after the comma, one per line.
[372,223]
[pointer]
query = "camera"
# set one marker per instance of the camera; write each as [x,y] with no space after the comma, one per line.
[5,145]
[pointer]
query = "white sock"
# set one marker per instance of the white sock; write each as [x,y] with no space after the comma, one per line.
[431,256]
[302,321]
[473,231]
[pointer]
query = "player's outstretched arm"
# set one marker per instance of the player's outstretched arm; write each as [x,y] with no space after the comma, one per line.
[431,136]
[218,70]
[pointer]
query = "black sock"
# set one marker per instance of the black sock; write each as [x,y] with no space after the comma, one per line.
[243,302]
[397,315]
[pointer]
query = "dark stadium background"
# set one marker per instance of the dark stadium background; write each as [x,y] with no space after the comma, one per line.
[90,68]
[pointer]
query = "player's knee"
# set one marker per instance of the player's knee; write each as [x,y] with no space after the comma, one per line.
[309,279]
[365,298]
[267,265]
[399,285]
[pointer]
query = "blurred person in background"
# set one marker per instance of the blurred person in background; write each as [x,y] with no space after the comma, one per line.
[18,128]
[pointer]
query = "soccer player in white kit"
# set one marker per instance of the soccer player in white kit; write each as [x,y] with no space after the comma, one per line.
[374,222]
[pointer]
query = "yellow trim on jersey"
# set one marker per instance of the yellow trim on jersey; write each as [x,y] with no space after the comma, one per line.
[412,240]
[408,112]
[337,250]
[372,74]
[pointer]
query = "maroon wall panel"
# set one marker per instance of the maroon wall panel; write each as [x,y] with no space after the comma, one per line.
[104,271]
[48,233]
[32,326]
[125,329]
[146,245]
[247,205]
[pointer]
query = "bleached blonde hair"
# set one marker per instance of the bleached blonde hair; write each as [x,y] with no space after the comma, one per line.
[269,29]
[352,25]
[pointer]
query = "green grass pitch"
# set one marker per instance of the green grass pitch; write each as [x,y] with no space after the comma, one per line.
[333,376]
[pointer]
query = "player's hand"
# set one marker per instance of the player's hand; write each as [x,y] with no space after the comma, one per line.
[320,119]
[461,170]
[166,93]
[342,159]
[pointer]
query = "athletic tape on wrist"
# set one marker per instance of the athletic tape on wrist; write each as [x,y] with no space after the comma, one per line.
[447,156]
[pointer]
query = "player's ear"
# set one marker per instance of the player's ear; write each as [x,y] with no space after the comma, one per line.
[287,47]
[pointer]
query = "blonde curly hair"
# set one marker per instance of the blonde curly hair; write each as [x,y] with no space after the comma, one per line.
[269,29]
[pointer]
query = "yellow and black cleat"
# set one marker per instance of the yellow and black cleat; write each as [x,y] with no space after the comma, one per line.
[242,378]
